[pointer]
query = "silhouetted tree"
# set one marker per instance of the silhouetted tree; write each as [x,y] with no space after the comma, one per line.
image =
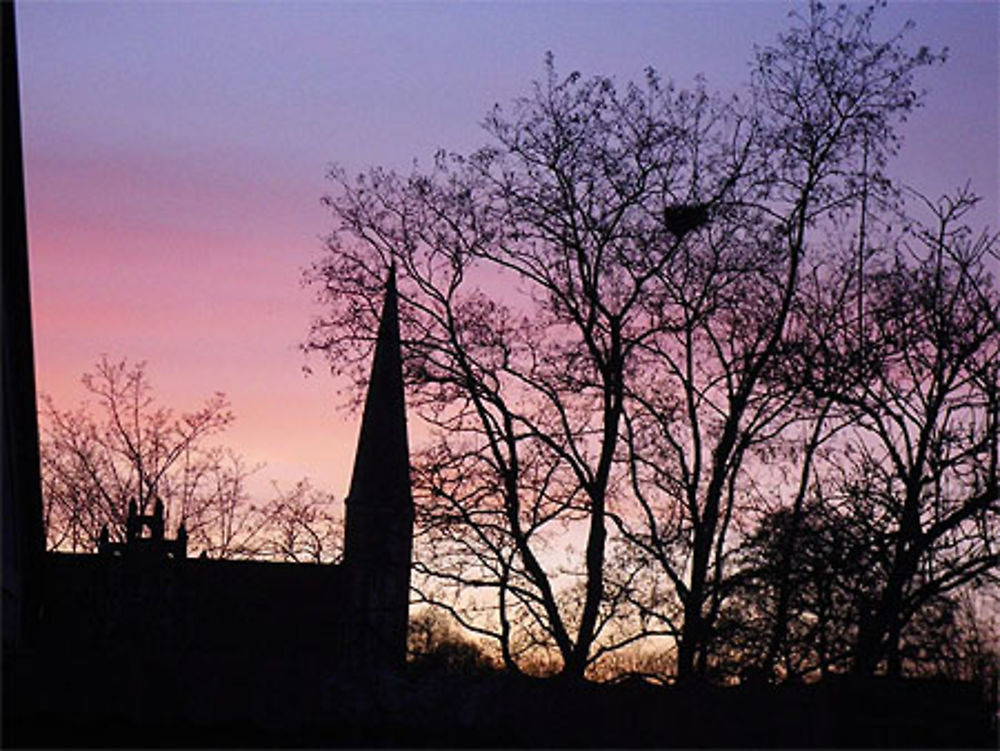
[97,458]
[526,388]
[923,453]
[713,409]
[894,529]
[598,309]
[299,526]
[435,645]
[124,447]
[812,595]
[839,565]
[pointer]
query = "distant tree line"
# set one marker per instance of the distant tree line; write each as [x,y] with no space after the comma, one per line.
[698,373]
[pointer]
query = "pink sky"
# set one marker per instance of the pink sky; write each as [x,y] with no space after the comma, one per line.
[175,157]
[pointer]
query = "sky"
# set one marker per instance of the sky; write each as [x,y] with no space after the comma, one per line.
[176,152]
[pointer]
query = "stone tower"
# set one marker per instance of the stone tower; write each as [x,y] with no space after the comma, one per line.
[379,518]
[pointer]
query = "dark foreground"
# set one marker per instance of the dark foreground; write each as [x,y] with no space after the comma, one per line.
[143,703]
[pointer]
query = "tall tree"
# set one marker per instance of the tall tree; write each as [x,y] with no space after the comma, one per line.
[824,106]
[568,207]
[925,402]
[596,309]
[894,523]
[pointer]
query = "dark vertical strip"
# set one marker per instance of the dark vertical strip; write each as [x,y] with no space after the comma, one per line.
[380,481]
[378,538]
[20,480]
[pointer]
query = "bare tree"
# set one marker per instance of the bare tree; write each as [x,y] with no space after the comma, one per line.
[899,369]
[575,207]
[712,412]
[598,309]
[124,448]
[301,525]
[98,458]
[925,451]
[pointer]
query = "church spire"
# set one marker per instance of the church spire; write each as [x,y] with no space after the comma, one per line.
[378,538]
[379,499]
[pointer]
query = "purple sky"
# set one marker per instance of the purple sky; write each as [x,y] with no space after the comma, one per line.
[175,157]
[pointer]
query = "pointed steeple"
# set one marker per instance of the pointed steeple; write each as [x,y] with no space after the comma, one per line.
[379,503]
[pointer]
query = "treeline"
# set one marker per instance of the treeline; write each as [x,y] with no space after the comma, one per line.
[698,375]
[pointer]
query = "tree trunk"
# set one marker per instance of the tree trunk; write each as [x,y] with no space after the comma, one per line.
[692,633]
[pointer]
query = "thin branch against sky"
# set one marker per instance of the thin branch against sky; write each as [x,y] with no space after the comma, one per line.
[175,156]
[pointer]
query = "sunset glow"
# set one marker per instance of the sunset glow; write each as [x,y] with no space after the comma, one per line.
[175,157]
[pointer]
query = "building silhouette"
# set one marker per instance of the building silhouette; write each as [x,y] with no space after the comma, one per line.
[145,593]
[139,633]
